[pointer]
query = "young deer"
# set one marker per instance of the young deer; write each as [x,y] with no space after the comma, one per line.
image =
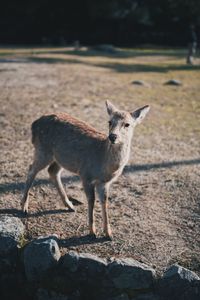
[62,141]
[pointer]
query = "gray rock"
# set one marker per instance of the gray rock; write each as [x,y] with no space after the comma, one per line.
[11,232]
[179,283]
[40,256]
[70,261]
[140,82]
[173,82]
[130,274]
[120,297]
[84,262]
[147,296]
[84,272]
[43,294]
[91,264]
[178,272]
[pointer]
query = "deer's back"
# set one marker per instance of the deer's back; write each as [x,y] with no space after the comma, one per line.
[61,125]
[73,143]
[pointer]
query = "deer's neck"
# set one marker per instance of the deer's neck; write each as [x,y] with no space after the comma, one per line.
[117,155]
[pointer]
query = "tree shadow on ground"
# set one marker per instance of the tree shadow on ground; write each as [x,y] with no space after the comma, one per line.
[163,165]
[120,67]
[116,52]
[100,51]
[115,66]
[160,68]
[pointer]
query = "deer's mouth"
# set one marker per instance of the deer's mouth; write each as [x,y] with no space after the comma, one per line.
[116,142]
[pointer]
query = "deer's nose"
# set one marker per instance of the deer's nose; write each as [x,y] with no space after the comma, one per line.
[112,137]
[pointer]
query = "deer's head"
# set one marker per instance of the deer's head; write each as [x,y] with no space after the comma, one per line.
[122,123]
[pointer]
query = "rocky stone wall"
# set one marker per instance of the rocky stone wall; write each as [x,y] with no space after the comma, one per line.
[38,271]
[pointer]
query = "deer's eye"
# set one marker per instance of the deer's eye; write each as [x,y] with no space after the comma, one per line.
[126,125]
[110,123]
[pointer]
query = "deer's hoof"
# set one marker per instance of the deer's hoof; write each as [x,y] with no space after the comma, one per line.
[24,209]
[108,235]
[71,207]
[68,209]
[25,212]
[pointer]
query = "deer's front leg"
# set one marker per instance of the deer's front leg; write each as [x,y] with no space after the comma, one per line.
[102,190]
[90,194]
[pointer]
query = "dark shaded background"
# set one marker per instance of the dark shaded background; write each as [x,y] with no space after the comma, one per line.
[119,22]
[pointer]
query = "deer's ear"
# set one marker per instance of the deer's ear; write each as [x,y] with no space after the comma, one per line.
[139,114]
[111,109]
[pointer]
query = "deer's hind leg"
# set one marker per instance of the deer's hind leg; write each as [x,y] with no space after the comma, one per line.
[55,175]
[41,160]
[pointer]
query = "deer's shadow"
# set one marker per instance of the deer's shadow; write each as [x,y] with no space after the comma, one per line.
[75,241]
[20,214]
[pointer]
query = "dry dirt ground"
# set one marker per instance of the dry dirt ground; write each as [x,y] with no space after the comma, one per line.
[154,206]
